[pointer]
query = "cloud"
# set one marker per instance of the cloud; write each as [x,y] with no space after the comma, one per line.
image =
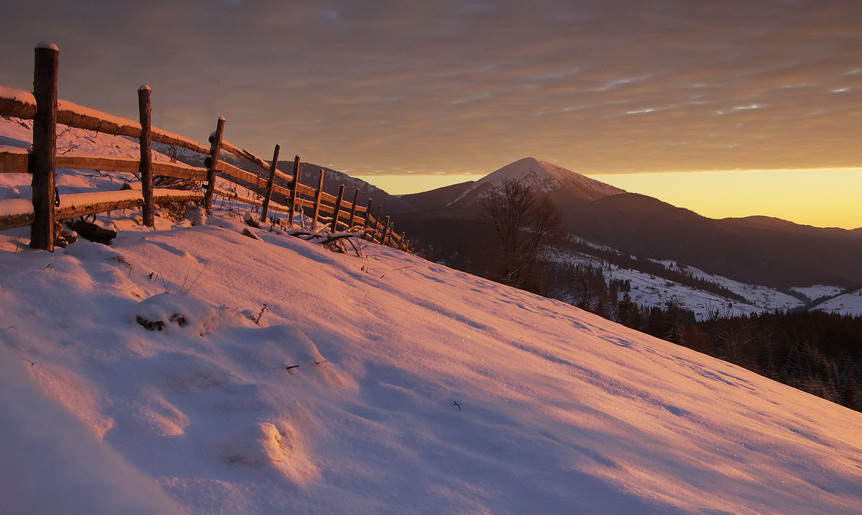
[453,86]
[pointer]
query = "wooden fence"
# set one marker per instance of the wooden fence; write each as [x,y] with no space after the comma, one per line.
[276,191]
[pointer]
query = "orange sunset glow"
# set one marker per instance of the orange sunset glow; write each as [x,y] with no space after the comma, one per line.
[422,94]
[431,257]
[821,198]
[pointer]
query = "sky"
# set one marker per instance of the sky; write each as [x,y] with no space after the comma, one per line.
[822,198]
[379,87]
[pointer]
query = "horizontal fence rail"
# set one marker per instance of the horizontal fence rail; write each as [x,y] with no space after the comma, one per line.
[267,188]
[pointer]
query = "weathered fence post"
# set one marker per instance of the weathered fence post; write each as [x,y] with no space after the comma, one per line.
[337,213]
[353,208]
[294,190]
[212,163]
[146,167]
[269,183]
[385,231]
[377,224]
[44,145]
[367,222]
[317,198]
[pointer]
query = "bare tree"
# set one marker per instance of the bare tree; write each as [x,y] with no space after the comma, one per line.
[525,224]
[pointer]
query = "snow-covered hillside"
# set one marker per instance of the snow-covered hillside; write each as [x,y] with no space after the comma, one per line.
[652,290]
[819,291]
[416,388]
[194,369]
[845,304]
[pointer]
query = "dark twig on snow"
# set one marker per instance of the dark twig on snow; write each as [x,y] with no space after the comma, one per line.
[187,290]
[256,319]
[397,270]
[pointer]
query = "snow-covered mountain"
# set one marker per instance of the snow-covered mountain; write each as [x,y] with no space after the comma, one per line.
[753,250]
[540,176]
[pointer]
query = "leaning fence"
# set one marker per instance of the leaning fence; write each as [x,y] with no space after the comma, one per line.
[270,189]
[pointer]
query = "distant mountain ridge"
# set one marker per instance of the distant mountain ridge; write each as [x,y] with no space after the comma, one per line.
[754,250]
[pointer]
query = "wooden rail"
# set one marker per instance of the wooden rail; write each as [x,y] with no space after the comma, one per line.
[82,204]
[267,187]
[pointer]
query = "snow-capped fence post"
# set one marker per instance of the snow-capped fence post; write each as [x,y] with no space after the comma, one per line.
[337,213]
[377,226]
[317,198]
[44,146]
[385,231]
[353,208]
[212,163]
[365,235]
[269,183]
[146,167]
[294,189]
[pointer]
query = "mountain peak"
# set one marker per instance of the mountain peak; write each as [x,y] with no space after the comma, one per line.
[548,178]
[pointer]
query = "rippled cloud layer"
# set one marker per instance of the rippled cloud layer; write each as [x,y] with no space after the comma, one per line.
[598,86]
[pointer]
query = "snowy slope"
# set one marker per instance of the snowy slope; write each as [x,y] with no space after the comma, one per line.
[557,410]
[846,304]
[649,290]
[289,379]
[762,298]
[819,291]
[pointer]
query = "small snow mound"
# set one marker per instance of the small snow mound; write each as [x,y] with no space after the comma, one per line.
[282,349]
[86,250]
[196,215]
[247,232]
[268,445]
[300,346]
[159,417]
[251,218]
[167,309]
[257,445]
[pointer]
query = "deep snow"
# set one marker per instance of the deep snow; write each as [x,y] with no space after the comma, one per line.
[560,411]
[290,379]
